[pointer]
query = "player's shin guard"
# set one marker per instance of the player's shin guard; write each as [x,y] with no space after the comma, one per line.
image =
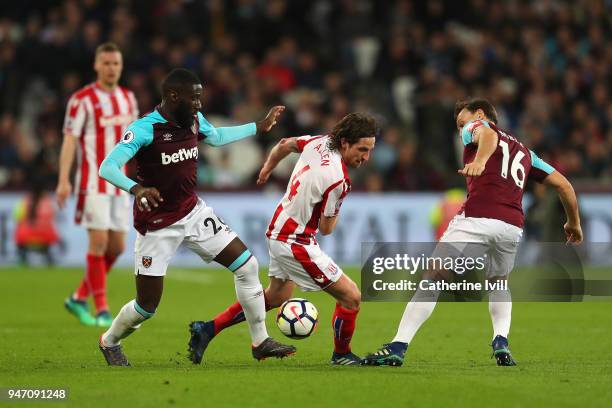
[416,313]
[129,319]
[343,324]
[96,277]
[250,295]
[500,308]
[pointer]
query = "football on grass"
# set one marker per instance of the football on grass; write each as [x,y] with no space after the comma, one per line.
[297,318]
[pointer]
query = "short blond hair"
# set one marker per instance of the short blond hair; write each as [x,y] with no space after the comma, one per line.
[107,47]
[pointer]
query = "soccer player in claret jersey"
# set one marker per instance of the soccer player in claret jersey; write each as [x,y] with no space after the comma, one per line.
[167,211]
[96,117]
[496,166]
[318,185]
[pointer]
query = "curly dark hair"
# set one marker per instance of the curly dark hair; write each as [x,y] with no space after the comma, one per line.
[352,127]
[473,104]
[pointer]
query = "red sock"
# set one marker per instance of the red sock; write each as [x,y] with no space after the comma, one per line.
[82,291]
[231,316]
[109,261]
[343,324]
[96,276]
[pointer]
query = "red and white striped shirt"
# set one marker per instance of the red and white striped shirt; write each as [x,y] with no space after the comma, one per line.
[98,119]
[318,184]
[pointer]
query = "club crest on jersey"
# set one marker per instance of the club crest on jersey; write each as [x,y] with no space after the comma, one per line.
[167,137]
[332,269]
[127,137]
[319,279]
[147,261]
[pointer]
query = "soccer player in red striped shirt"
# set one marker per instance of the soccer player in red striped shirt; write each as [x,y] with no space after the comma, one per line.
[96,117]
[317,188]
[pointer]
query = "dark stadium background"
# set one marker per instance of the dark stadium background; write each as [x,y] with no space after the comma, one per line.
[547,66]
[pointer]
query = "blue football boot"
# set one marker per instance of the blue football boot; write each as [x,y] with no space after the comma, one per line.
[501,352]
[391,354]
[202,334]
[346,359]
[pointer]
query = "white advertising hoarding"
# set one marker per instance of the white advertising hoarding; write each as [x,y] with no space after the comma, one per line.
[391,217]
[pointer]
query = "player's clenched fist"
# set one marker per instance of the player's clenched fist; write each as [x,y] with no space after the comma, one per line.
[573,233]
[472,169]
[270,120]
[146,197]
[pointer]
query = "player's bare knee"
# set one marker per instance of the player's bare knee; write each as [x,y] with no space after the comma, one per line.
[115,250]
[355,300]
[429,275]
[352,299]
[98,243]
[498,279]
[350,303]
[435,275]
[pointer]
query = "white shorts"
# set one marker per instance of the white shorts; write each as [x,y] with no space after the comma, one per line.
[201,231]
[103,211]
[306,265]
[500,241]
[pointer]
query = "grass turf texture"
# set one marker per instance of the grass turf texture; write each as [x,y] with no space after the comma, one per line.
[563,351]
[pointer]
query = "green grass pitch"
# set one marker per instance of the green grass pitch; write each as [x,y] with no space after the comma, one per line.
[563,350]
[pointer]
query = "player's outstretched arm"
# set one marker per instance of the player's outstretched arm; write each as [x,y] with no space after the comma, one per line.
[226,135]
[281,150]
[64,188]
[486,139]
[566,192]
[265,125]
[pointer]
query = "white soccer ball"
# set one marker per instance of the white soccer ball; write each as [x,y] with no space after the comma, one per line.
[297,318]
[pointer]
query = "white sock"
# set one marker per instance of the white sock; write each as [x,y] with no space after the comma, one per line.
[250,295]
[500,308]
[416,313]
[129,319]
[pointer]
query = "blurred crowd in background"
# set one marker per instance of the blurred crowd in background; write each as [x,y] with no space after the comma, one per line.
[546,65]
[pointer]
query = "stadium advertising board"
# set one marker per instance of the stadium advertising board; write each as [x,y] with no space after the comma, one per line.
[394,217]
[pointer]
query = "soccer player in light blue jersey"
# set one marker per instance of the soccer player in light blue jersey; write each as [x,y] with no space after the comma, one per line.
[168,212]
[496,166]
